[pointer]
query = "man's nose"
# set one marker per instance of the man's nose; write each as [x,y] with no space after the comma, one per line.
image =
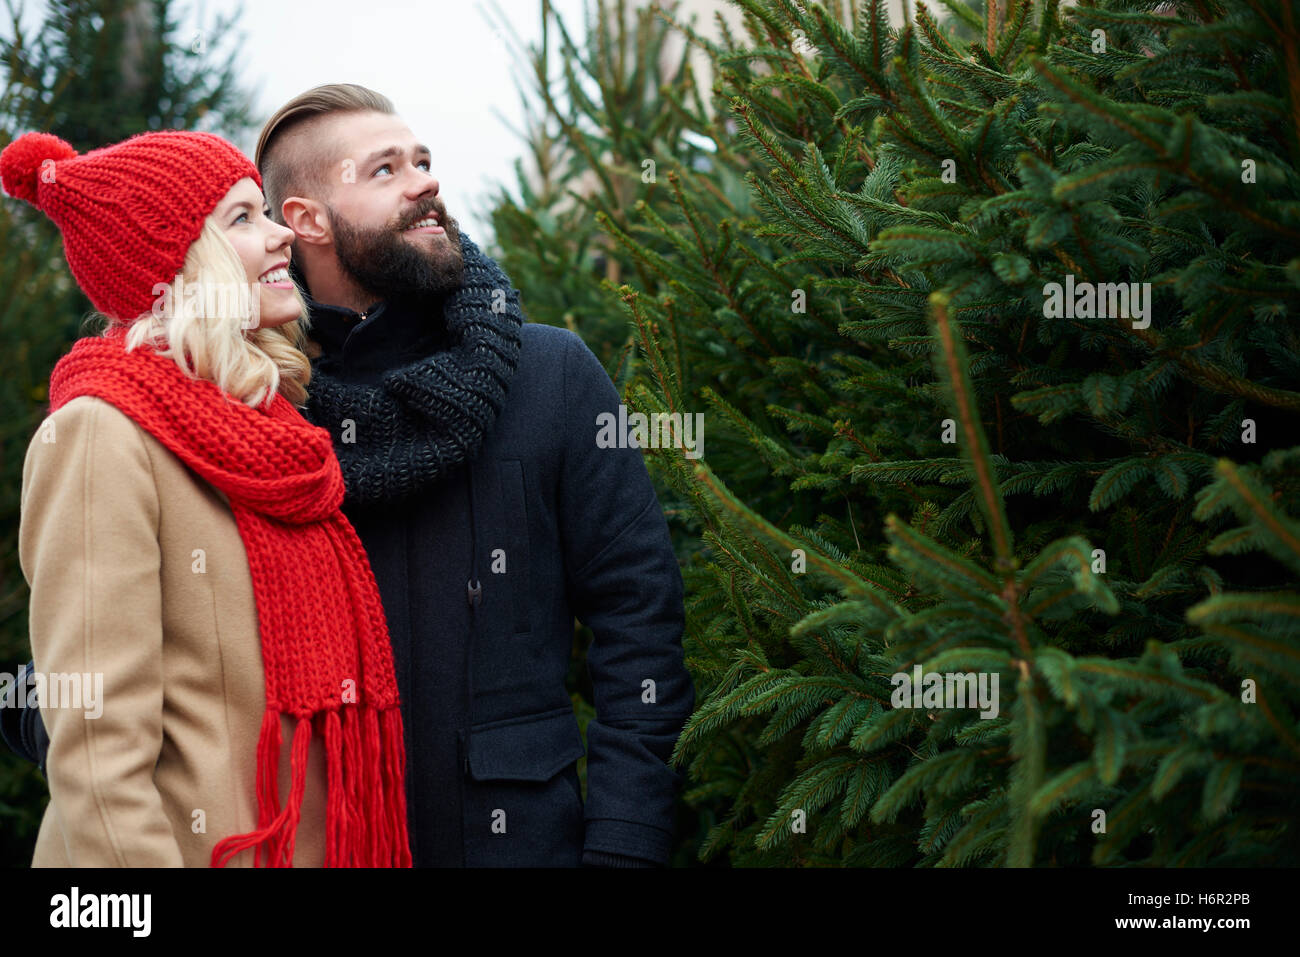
[422,185]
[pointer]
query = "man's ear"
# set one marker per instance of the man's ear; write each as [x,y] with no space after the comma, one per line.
[307,219]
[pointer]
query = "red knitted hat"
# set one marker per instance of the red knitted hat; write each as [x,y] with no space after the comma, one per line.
[128,212]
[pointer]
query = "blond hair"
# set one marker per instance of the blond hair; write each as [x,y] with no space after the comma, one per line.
[289,162]
[216,341]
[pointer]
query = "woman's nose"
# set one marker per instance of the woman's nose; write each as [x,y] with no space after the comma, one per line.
[280,236]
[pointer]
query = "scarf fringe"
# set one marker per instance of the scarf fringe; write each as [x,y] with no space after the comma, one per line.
[372,755]
[365,759]
[268,785]
[336,824]
[286,837]
[394,783]
[268,764]
[358,830]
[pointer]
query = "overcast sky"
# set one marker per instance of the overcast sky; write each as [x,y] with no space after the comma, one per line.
[439,61]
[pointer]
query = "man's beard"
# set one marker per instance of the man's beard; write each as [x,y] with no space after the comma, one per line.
[384,263]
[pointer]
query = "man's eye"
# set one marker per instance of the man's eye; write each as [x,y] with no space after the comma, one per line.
[385,166]
[426,164]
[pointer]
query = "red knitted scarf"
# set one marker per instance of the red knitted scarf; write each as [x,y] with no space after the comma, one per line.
[325,646]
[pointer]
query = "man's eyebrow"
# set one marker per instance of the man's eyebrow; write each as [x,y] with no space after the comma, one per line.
[380,154]
[393,151]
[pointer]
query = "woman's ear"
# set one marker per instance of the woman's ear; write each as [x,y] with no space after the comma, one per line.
[307,219]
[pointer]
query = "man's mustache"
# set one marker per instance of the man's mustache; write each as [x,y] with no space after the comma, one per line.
[419,215]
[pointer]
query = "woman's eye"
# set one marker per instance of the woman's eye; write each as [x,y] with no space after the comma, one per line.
[426,164]
[239,217]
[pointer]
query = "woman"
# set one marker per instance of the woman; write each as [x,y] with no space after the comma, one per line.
[182,538]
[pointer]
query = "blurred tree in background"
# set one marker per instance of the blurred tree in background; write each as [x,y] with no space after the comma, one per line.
[913,458]
[93,72]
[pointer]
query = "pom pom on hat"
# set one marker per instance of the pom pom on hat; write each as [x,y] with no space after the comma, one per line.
[22,162]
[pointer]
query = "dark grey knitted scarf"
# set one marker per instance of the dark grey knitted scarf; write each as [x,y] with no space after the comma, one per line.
[427,417]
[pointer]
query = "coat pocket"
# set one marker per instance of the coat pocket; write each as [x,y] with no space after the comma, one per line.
[522,804]
[513,490]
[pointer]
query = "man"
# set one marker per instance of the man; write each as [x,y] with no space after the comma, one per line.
[489,513]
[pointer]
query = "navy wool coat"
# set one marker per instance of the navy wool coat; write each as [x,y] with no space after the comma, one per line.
[482,576]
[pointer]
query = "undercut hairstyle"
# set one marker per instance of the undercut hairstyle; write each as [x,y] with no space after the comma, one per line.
[289,157]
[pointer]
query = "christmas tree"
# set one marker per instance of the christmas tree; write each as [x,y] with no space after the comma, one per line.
[991,554]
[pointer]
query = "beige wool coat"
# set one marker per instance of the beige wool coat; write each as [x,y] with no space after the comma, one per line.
[138,572]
